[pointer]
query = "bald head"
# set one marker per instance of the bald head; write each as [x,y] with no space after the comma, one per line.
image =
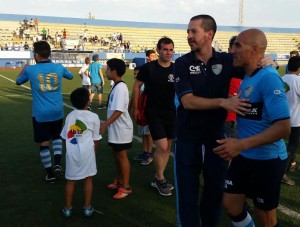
[255,38]
[248,49]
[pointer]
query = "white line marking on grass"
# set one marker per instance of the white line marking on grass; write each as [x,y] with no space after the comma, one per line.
[289,212]
[16,95]
[24,86]
[99,212]
[137,138]
[14,81]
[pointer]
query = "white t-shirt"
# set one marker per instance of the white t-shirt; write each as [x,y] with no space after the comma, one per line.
[121,130]
[80,131]
[293,96]
[85,79]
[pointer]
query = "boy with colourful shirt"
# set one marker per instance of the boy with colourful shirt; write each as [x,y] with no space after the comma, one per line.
[81,133]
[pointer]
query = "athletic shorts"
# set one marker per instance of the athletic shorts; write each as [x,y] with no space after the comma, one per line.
[120,146]
[45,131]
[86,86]
[97,88]
[161,123]
[144,130]
[259,180]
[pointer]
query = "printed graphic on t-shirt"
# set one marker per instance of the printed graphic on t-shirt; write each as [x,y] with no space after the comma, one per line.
[75,131]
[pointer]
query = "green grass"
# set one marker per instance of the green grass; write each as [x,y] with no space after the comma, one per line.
[26,200]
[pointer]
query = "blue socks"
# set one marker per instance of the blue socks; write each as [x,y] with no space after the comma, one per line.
[243,220]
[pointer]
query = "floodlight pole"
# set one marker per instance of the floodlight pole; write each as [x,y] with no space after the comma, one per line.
[241,14]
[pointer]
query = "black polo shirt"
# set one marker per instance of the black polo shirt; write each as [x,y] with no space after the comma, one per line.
[159,86]
[207,81]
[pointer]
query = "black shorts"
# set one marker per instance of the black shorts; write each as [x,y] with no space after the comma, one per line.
[120,146]
[45,131]
[161,123]
[87,86]
[259,180]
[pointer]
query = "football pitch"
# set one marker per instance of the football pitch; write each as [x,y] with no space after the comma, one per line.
[26,200]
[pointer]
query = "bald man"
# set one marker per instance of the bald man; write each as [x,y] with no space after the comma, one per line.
[259,154]
[202,79]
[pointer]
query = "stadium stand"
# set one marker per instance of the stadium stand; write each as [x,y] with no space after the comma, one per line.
[140,37]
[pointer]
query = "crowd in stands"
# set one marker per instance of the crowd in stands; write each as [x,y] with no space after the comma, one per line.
[28,33]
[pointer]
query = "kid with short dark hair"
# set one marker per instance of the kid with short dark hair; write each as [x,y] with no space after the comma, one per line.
[86,81]
[81,134]
[119,126]
[47,106]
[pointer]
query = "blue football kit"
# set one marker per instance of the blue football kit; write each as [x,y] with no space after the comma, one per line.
[269,104]
[46,84]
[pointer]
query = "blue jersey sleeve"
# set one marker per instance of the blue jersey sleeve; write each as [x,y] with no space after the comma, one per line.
[274,95]
[22,78]
[67,74]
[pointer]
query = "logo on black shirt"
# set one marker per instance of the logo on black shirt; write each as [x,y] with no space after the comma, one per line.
[171,78]
[217,69]
[195,70]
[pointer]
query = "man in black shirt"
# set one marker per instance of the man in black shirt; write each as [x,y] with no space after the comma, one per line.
[157,76]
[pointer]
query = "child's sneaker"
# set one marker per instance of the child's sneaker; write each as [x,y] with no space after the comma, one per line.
[122,193]
[114,185]
[67,212]
[88,212]
[147,159]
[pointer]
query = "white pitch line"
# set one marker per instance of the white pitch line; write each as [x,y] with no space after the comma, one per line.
[24,86]
[289,212]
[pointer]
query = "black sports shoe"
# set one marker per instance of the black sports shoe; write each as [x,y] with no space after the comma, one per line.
[58,170]
[162,187]
[50,179]
[99,107]
[153,184]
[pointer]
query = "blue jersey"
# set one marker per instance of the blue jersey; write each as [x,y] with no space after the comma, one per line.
[94,69]
[266,92]
[46,82]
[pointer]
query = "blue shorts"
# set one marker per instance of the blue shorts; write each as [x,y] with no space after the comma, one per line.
[97,88]
[259,180]
[144,130]
[45,131]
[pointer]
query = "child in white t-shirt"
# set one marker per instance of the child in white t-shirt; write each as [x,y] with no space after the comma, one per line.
[86,81]
[119,126]
[81,134]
